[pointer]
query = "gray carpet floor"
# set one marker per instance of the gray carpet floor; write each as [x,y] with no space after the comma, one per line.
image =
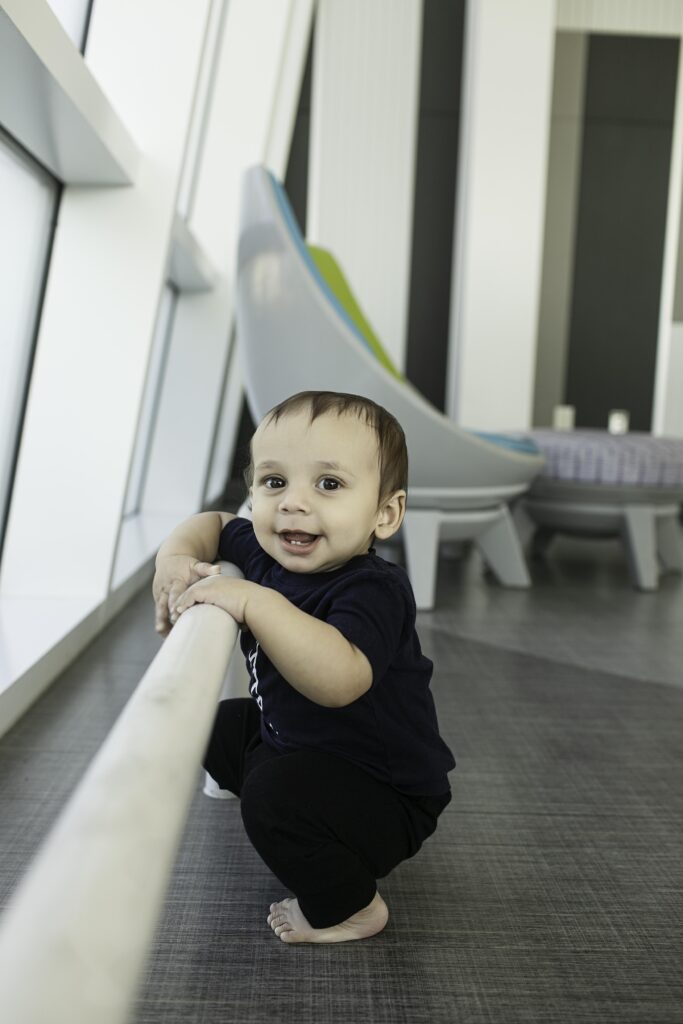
[552,890]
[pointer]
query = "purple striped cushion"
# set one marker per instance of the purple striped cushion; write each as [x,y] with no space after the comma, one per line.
[596,457]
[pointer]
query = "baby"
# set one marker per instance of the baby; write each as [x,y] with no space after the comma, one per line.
[336,756]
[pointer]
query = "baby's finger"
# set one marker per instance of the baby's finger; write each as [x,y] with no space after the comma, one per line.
[161,612]
[181,607]
[177,588]
[207,569]
[161,623]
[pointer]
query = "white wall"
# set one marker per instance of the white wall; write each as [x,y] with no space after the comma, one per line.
[671,422]
[507,84]
[365,95]
[667,415]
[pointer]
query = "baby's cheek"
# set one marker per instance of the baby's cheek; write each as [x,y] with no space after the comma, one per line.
[261,532]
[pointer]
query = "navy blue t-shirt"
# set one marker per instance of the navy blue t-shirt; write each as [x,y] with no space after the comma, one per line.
[391,730]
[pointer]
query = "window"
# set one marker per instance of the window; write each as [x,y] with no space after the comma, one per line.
[73,15]
[150,399]
[28,202]
[202,102]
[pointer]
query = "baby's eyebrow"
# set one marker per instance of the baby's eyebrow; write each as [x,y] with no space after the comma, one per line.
[334,466]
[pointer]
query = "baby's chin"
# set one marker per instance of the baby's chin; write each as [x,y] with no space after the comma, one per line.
[303,559]
[303,566]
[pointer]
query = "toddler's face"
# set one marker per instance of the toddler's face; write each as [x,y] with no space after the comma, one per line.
[316,491]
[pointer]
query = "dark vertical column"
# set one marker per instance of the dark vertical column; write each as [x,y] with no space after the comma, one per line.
[434,209]
[296,178]
[630,96]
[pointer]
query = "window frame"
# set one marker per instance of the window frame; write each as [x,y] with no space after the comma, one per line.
[25,370]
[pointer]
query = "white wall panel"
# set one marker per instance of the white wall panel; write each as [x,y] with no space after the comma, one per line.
[500,211]
[365,95]
[667,417]
[670,420]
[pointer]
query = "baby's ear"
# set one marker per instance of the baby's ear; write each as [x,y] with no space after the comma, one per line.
[390,516]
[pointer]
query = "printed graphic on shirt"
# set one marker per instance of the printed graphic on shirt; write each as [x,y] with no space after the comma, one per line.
[253,685]
[252,658]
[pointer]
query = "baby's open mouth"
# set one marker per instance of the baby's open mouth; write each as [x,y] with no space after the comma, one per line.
[297,540]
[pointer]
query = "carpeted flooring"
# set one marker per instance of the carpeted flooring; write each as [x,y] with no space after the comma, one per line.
[553,889]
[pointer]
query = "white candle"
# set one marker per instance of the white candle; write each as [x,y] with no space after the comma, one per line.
[617,422]
[563,417]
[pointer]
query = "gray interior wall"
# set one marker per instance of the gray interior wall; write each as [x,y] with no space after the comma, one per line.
[630,96]
[434,205]
[564,164]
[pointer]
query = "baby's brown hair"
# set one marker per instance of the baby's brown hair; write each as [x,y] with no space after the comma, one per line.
[391,442]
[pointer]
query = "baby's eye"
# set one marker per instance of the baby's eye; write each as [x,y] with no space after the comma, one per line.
[272,483]
[328,483]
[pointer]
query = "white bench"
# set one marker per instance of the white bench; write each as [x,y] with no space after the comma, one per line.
[601,485]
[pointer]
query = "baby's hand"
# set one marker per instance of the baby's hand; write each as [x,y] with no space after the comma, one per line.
[225,592]
[174,575]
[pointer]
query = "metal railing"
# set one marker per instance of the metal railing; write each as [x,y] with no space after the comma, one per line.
[75,935]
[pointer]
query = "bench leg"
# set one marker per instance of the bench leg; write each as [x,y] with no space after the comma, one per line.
[525,526]
[542,540]
[500,546]
[421,539]
[669,543]
[640,536]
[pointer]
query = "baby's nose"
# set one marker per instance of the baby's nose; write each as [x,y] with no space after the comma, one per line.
[293,501]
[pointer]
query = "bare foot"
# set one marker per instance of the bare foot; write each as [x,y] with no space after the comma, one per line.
[290,925]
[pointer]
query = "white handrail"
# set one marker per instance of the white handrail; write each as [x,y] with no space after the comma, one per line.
[74,937]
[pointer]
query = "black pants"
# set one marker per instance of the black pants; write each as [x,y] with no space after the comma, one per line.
[325,828]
